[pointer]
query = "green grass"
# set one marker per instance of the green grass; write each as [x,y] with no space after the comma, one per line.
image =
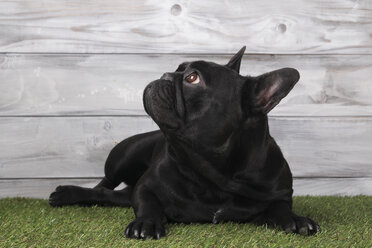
[345,222]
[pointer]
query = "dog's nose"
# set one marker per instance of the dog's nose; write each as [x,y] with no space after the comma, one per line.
[167,76]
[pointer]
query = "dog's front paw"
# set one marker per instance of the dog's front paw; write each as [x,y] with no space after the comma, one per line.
[64,195]
[301,225]
[145,228]
[290,223]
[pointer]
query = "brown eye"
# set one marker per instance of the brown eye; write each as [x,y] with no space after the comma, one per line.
[193,78]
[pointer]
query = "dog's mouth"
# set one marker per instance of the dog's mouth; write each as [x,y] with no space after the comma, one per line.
[159,100]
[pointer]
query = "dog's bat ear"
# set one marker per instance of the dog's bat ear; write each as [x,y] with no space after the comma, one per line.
[268,89]
[235,61]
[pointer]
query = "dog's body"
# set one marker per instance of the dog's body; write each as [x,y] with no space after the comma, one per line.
[212,160]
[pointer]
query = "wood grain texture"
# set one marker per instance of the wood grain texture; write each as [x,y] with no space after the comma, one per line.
[332,186]
[141,26]
[62,147]
[337,85]
[325,147]
[41,188]
[51,147]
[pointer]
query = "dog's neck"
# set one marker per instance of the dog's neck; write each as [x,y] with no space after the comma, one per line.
[254,132]
[232,176]
[248,141]
[252,146]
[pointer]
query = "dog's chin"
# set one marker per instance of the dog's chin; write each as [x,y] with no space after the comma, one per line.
[166,122]
[164,118]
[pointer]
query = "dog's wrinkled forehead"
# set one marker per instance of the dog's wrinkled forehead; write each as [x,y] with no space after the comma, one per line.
[182,66]
[205,69]
[199,65]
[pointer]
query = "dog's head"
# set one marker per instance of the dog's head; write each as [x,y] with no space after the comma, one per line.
[211,100]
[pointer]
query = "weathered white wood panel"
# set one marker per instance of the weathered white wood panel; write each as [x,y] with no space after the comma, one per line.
[265,26]
[41,188]
[335,85]
[62,147]
[332,186]
[325,147]
[77,147]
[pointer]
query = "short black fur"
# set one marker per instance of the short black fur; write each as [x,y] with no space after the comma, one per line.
[212,160]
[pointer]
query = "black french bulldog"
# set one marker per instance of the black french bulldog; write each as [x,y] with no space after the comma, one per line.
[212,160]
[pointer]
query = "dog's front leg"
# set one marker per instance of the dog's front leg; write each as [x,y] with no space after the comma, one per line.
[279,214]
[150,219]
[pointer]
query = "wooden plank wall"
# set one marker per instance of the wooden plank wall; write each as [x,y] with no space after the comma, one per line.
[72,75]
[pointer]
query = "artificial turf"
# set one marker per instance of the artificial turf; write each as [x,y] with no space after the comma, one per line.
[345,222]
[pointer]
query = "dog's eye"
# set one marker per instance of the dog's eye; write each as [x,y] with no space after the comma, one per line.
[193,78]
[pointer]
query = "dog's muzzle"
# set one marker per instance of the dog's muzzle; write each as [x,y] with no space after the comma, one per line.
[159,102]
